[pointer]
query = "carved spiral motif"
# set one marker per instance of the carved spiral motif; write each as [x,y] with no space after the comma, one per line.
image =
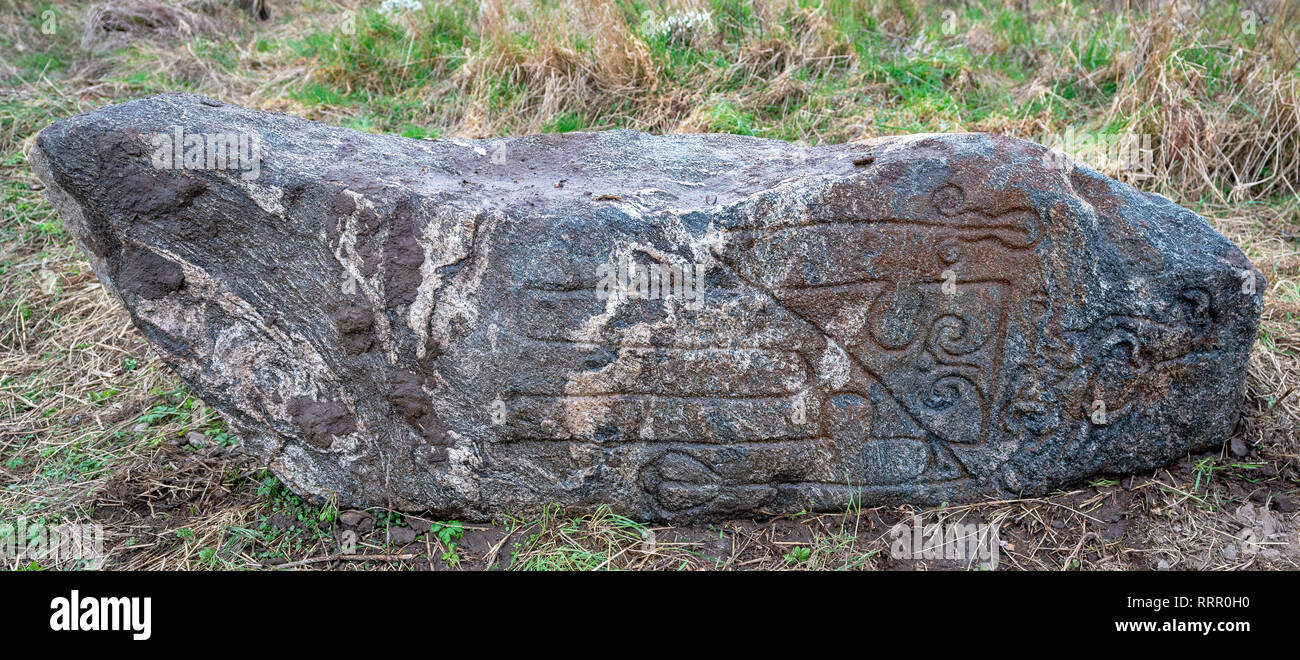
[946,392]
[1108,352]
[948,199]
[953,409]
[953,335]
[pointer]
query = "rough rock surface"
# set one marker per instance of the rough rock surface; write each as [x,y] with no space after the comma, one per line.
[437,325]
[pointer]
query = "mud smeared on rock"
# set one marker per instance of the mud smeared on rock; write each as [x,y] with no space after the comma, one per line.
[413,404]
[354,321]
[321,421]
[683,327]
[148,274]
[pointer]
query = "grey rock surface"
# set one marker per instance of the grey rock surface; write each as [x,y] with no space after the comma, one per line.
[683,327]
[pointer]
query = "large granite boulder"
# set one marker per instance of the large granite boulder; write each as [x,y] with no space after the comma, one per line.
[683,327]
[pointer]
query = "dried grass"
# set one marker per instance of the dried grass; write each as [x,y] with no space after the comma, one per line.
[1240,144]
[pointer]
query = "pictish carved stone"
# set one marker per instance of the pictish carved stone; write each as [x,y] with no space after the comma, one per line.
[682,327]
